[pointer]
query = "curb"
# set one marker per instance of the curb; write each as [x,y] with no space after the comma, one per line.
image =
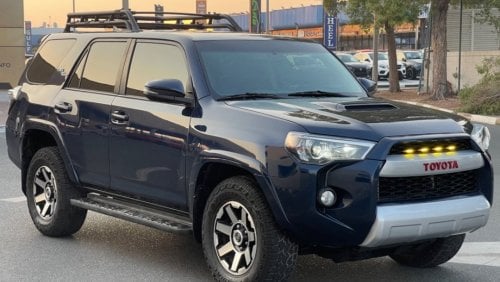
[474,118]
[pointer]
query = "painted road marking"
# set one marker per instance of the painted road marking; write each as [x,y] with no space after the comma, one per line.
[14,200]
[479,253]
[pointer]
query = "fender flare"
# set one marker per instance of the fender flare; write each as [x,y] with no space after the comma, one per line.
[52,130]
[246,163]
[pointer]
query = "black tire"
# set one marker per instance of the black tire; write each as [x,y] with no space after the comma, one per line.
[274,254]
[48,192]
[411,74]
[400,76]
[429,254]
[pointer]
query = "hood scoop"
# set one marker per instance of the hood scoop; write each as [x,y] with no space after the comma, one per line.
[356,107]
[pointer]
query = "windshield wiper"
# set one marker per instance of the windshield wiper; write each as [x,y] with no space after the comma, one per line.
[248,96]
[317,93]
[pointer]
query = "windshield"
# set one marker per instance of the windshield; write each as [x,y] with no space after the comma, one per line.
[413,55]
[278,67]
[381,56]
[346,58]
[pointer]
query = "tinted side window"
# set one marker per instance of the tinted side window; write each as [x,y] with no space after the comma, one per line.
[102,66]
[76,78]
[153,61]
[46,63]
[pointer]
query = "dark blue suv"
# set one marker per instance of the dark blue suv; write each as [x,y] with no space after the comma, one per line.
[261,147]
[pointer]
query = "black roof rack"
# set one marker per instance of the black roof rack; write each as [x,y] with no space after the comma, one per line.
[136,21]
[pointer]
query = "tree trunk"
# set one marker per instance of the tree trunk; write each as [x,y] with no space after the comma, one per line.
[439,11]
[393,69]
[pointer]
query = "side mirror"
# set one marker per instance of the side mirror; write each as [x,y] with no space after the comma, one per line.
[403,59]
[166,90]
[369,85]
[367,60]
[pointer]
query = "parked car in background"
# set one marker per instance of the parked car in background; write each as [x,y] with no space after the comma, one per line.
[413,61]
[360,69]
[383,64]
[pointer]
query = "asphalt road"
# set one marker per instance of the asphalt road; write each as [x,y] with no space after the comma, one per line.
[108,249]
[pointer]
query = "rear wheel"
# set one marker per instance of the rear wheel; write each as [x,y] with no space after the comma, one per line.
[48,192]
[429,254]
[241,241]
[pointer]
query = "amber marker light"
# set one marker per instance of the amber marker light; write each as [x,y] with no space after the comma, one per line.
[451,148]
[424,150]
[409,151]
[438,149]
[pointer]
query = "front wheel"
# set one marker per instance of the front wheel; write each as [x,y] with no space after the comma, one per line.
[410,73]
[48,192]
[241,241]
[430,254]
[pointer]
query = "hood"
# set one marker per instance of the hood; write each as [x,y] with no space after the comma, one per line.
[416,61]
[358,65]
[356,117]
[383,63]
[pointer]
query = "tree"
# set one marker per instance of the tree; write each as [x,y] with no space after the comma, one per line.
[332,7]
[438,14]
[388,14]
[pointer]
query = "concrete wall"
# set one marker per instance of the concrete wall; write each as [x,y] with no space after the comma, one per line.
[11,42]
[469,75]
[470,60]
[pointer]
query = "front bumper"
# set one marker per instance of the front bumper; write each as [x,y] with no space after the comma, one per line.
[396,223]
[362,217]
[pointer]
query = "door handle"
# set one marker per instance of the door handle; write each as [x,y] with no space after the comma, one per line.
[63,107]
[119,117]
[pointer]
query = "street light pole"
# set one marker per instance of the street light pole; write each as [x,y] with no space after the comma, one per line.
[268,17]
[460,47]
[125,5]
[74,6]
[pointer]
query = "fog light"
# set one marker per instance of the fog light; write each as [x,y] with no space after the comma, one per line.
[327,197]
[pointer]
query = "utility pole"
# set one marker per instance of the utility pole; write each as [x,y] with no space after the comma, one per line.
[460,47]
[74,6]
[268,18]
[375,49]
[125,5]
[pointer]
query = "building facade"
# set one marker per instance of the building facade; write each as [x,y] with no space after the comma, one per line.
[12,45]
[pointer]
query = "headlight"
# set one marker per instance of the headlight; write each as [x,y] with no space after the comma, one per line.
[317,149]
[481,134]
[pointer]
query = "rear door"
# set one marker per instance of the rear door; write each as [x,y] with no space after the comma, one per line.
[83,109]
[148,138]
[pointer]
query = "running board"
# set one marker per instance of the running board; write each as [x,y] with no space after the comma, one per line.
[134,213]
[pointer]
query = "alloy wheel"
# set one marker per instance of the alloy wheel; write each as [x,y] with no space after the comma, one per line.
[235,238]
[45,192]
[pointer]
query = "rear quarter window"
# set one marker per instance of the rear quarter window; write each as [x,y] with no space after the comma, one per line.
[44,69]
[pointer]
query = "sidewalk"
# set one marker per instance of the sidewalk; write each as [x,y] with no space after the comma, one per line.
[493,120]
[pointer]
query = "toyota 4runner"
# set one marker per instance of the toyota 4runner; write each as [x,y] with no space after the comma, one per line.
[261,147]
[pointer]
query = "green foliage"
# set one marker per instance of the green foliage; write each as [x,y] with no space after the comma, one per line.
[334,6]
[391,12]
[484,97]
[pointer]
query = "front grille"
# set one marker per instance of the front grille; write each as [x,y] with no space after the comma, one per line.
[397,189]
[460,145]
[360,72]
